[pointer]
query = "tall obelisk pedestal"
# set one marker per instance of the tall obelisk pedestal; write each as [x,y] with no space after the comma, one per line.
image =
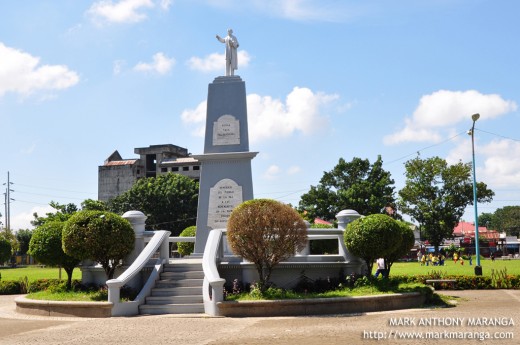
[225,176]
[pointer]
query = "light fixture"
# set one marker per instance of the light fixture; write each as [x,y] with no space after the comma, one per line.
[478,267]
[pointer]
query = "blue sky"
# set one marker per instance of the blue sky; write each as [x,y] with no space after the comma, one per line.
[325,79]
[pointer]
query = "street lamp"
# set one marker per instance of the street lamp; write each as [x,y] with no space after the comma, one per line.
[478,268]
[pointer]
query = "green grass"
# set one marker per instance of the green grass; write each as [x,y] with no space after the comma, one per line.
[451,268]
[80,296]
[35,273]
[368,290]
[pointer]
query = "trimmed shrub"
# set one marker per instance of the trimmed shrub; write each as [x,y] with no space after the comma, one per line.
[100,236]
[265,232]
[46,247]
[186,248]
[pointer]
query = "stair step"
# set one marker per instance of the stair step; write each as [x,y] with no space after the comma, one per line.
[194,308]
[177,291]
[182,275]
[182,269]
[156,300]
[171,283]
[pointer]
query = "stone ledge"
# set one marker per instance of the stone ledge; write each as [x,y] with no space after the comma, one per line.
[63,308]
[321,306]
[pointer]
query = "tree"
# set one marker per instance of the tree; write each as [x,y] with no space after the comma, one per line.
[265,232]
[8,235]
[100,236]
[357,185]
[507,219]
[46,247]
[62,213]
[169,201]
[371,237]
[407,243]
[186,248]
[436,195]
[487,220]
[5,250]
[23,236]
[94,205]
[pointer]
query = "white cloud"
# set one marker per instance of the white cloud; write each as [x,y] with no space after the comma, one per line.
[196,116]
[161,64]
[22,220]
[165,4]
[272,172]
[443,109]
[216,62]
[22,73]
[124,11]
[501,164]
[272,118]
[294,170]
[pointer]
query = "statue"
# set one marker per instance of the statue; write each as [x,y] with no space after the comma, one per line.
[231,52]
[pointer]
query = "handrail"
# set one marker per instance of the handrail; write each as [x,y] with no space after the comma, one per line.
[212,279]
[158,240]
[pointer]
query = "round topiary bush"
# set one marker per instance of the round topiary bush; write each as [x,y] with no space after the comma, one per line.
[46,247]
[186,248]
[265,232]
[372,237]
[100,236]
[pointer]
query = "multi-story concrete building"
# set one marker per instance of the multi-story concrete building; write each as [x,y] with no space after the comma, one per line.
[117,175]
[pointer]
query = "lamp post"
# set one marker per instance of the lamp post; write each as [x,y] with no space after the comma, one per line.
[478,268]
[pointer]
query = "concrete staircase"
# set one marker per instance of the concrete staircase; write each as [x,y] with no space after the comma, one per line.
[178,290]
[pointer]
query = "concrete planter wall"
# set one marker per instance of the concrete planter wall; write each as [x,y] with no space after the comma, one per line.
[321,306]
[59,308]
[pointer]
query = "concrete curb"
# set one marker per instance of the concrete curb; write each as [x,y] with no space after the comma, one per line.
[62,308]
[322,306]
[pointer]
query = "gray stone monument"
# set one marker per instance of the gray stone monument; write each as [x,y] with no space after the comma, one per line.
[225,177]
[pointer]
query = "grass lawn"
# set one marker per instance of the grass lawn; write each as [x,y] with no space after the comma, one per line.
[451,268]
[34,273]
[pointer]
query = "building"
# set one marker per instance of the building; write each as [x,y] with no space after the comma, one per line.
[117,175]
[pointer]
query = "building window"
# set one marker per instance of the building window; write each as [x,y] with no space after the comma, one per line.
[164,170]
[185,168]
[175,169]
[196,167]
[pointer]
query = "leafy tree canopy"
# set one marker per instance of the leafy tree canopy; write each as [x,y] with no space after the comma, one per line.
[64,211]
[506,219]
[407,243]
[5,250]
[436,194]
[46,247]
[100,236]
[23,236]
[265,232]
[358,185]
[169,201]
[371,237]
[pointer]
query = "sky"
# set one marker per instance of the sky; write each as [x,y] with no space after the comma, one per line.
[324,79]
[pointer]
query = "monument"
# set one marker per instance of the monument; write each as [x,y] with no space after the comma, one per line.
[225,172]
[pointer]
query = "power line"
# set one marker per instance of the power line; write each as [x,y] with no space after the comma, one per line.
[424,149]
[498,135]
[55,189]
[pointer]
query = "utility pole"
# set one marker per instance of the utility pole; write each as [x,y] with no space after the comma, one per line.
[8,200]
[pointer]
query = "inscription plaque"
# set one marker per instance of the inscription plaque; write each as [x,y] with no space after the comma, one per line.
[223,198]
[226,131]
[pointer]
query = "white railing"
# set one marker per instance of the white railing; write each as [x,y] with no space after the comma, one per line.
[158,241]
[213,285]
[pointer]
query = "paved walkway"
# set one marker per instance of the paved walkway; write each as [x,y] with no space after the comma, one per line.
[501,306]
